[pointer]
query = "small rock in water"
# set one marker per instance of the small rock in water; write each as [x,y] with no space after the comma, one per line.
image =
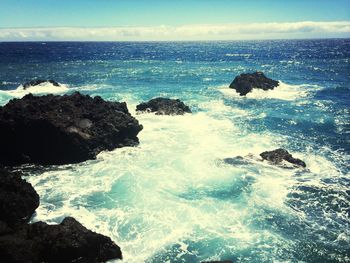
[275,157]
[36,82]
[278,155]
[245,83]
[164,106]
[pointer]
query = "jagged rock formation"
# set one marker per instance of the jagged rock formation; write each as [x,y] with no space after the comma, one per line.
[39,242]
[277,156]
[64,129]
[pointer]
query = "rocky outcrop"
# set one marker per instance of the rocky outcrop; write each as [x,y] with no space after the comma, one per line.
[64,129]
[277,156]
[39,242]
[36,82]
[66,242]
[18,199]
[164,106]
[245,83]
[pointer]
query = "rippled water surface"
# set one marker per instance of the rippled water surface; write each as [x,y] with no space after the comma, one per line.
[172,198]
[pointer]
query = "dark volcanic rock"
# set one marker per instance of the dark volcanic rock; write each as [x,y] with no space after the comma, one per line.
[18,200]
[5,228]
[278,155]
[36,82]
[245,83]
[66,242]
[40,242]
[164,106]
[63,129]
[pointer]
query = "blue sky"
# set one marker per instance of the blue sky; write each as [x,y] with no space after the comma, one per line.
[139,19]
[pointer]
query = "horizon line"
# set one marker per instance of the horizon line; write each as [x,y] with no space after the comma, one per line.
[190,32]
[165,41]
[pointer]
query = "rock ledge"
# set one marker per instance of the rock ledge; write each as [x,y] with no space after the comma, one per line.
[39,242]
[54,129]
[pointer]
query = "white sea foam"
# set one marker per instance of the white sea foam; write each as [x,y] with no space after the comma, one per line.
[162,192]
[170,190]
[89,87]
[217,107]
[46,88]
[283,91]
[43,88]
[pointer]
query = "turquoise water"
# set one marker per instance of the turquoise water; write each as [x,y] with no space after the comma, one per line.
[172,199]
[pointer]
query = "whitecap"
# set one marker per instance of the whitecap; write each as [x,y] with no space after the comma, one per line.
[89,87]
[8,83]
[237,55]
[284,91]
[43,88]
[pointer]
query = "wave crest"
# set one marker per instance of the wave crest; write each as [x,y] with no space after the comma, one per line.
[284,91]
[43,88]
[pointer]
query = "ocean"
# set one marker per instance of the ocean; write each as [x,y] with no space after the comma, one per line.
[172,198]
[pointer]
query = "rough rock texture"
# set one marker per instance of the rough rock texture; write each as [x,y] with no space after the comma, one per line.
[4,228]
[40,242]
[245,83]
[164,106]
[278,155]
[66,242]
[36,82]
[220,261]
[18,200]
[63,129]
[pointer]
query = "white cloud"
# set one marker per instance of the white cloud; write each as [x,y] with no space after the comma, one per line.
[305,29]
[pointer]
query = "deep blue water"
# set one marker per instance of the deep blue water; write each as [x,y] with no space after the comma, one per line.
[171,199]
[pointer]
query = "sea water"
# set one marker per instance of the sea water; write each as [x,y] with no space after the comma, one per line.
[172,198]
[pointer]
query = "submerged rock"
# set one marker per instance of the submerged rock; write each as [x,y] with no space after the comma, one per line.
[36,82]
[238,160]
[18,199]
[245,83]
[66,242]
[278,155]
[164,106]
[65,129]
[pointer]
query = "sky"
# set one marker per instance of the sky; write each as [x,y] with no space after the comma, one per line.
[141,20]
